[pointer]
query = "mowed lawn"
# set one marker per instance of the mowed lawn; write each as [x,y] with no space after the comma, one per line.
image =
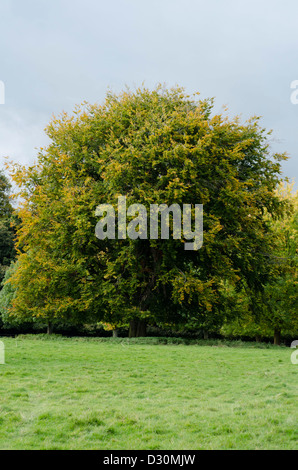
[79,394]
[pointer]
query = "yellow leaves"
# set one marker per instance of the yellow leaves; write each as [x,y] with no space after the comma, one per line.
[188,288]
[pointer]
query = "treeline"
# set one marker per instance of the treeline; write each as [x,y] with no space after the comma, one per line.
[154,147]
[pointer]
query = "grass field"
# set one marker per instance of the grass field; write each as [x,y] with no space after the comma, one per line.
[87,394]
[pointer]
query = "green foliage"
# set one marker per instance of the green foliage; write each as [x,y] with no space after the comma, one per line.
[7,251]
[149,340]
[6,297]
[281,293]
[154,147]
[275,308]
[5,187]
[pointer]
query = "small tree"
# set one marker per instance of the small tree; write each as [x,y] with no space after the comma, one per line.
[273,311]
[7,251]
[281,294]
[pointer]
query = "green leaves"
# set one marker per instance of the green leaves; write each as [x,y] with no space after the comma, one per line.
[154,147]
[7,252]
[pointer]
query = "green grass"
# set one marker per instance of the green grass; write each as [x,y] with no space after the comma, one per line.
[91,394]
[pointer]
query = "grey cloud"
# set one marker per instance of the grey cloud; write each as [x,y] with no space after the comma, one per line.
[59,53]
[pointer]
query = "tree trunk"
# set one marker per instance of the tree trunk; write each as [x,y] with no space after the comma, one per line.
[137,328]
[206,334]
[258,339]
[277,337]
[115,333]
[49,328]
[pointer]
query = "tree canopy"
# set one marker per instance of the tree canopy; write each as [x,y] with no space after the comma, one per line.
[154,147]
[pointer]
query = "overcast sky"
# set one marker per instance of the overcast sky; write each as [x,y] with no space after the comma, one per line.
[55,54]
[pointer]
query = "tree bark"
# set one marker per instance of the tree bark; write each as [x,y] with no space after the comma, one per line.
[49,328]
[258,339]
[137,328]
[115,333]
[206,334]
[277,337]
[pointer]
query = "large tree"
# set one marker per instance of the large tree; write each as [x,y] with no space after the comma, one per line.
[154,147]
